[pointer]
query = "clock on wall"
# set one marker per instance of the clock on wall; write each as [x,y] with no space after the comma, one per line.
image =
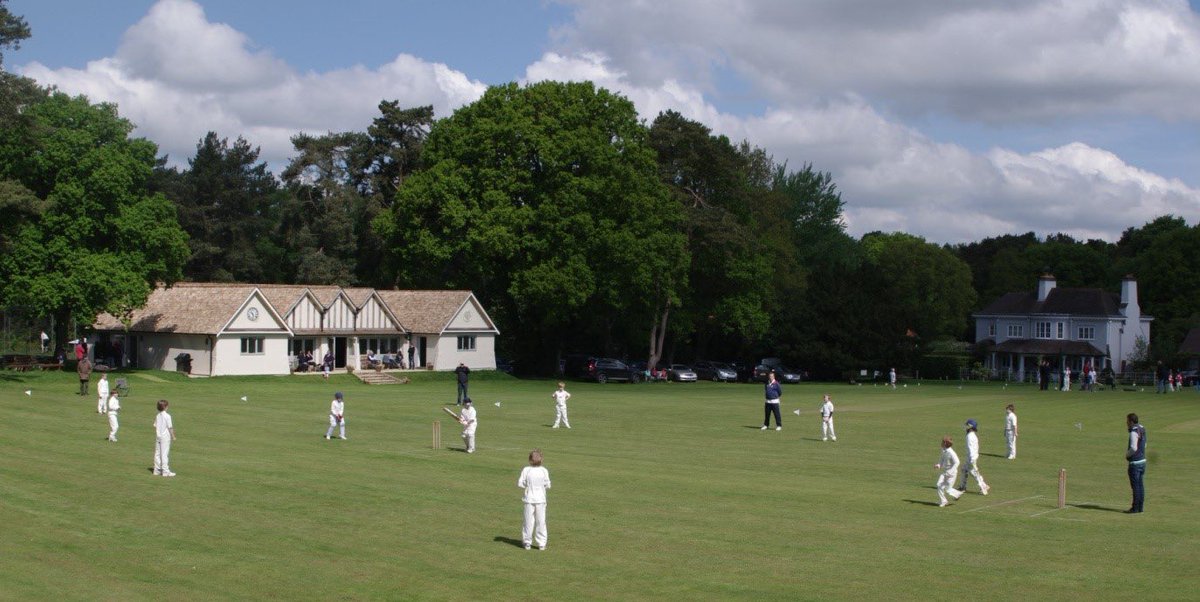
[252,313]
[467,316]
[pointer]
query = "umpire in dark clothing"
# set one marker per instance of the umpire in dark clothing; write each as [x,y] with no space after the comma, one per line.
[463,373]
[1135,453]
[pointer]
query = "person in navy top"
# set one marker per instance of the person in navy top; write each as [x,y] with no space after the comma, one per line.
[1136,455]
[773,393]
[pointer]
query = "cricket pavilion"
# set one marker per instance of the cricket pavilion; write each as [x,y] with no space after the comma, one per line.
[217,329]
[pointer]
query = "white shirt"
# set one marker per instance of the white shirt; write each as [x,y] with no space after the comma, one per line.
[336,408]
[892,377]
[163,425]
[949,462]
[114,405]
[468,418]
[827,410]
[560,397]
[973,446]
[1010,423]
[535,480]
[102,388]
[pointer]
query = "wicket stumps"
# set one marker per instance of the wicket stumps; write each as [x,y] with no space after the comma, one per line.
[1062,488]
[437,434]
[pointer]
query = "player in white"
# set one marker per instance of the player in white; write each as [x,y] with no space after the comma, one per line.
[948,464]
[102,394]
[467,419]
[892,378]
[1010,431]
[337,409]
[560,405]
[827,431]
[164,434]
[535,480]
[113,406]
[971,467]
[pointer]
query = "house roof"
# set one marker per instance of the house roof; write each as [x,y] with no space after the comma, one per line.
[425,311]
[1043,347]
[187,307]
[1191,343]
[1061,301]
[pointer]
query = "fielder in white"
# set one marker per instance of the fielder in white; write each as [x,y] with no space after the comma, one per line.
[948,464]
[164,434]
[560,405]
[971,467]
[827,431]
[337,409]
[467,419]
[102,393]
[1010,431]
[535,480]
[113,406]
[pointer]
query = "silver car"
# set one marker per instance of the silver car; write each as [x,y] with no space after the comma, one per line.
[681,373]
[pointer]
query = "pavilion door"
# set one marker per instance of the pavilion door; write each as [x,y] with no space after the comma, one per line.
[339,352]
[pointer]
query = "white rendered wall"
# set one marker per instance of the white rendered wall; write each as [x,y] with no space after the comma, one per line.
[444,353]
[228,358]
[158,351]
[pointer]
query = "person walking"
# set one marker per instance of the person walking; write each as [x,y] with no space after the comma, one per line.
[467,419]
[463,373]
[102,393]
[948,464]
[1160,378]
[337,418]
[1010,430]
[1066,378]
[892,378]
[327,364]
[84,369]
[971,467]
[535,480]
[1135,454]
[164,434]
[560,405]
[827,431]
[113,406]
[773,393]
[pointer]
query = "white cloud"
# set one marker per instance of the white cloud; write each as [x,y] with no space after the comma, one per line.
[178,76]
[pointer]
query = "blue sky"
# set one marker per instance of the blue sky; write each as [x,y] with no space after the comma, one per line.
[953,121]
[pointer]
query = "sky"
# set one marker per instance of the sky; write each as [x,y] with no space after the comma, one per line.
[954,121]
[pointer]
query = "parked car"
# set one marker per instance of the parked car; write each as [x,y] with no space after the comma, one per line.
[681,373]
[505,365]
[782,373]
[602,370]
[715,371]
[660,371]
[1190,378]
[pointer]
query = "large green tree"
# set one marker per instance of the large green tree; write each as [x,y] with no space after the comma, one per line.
[1162,256]
[545,200]
[101,241]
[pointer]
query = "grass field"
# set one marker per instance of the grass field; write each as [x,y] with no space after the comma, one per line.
[660,492]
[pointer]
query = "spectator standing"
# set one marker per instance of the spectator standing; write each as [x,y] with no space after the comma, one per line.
[1160,378]
[84,369]
[773,392]
[1135,454]
[463,373]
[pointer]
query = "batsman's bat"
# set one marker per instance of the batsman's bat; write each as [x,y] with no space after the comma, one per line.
[451,412]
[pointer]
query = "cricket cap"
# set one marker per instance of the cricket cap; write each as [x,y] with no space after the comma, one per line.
[971,423]
[337,395]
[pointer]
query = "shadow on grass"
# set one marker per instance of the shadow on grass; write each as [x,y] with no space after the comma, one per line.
[922,502]
[510,541]
[1096,507]
[1001,456]
[11,377]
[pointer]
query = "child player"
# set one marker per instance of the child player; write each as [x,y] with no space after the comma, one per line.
[827,431]
[1010,430]
[560,405]
[948,464]
[164,434]
[535,480]
[337,409]
[971,467]
[467,419]
[113,406]
[102,393]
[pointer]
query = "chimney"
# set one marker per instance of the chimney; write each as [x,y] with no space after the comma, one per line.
[1129,300]
[1046,284]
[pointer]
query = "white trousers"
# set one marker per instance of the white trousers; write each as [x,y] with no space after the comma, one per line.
[560,415]
[469,440]
[1011,438]
[969,468]
[334,423]
[113,425]
[827,429]
[162,455]
[102,404]
[534,529]
[944,486]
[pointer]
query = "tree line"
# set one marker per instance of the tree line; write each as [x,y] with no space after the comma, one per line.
[580,227]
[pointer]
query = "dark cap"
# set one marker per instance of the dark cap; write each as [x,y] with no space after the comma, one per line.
[337,395]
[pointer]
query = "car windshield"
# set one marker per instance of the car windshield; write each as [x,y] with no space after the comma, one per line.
[679,367]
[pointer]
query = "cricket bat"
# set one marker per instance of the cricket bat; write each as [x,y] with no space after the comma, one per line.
[451,412]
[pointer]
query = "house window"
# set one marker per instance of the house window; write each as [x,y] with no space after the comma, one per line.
[1087,333]
[390,345]
[992,329]
[1043,330]
[1061,330]
[1016,331]
[466,343]
[252,345]
[301,345]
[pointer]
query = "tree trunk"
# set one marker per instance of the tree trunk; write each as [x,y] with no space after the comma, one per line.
[658,334]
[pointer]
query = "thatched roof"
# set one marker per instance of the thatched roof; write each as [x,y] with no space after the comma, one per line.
[425,311]
[187,308]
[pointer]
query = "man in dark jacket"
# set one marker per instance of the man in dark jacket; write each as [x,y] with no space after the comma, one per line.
[84,368]
[463,372]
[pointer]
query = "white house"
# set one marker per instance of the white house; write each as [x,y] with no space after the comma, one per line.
[261,329]
[1069,326]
